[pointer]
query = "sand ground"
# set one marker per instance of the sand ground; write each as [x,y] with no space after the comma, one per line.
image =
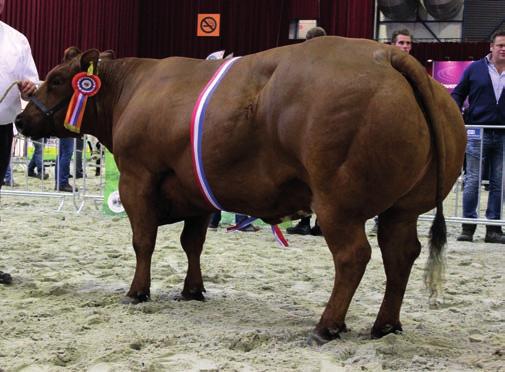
[70,271]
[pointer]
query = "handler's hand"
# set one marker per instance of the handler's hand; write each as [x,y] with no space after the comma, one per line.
[27,88]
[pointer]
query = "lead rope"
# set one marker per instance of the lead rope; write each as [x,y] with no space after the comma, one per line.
[8,90]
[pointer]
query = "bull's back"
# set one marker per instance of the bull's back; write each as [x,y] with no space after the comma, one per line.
[330,100]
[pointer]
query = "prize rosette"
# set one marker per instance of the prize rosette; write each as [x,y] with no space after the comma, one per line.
[87,85]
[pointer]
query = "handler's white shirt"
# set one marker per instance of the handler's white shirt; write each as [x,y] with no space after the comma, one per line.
[16,63]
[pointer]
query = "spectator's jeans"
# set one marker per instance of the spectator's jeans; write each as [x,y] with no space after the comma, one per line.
[239,218]
[215,219]
[492,151]
[36,160]
[66,149]
[8,179]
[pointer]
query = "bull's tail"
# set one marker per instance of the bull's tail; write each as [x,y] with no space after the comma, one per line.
[435,265]
[424,90]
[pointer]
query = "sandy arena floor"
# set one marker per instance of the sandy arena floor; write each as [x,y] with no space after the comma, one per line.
[70,271]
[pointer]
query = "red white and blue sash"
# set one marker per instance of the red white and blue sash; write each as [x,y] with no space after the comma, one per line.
[197,120]
[196,130]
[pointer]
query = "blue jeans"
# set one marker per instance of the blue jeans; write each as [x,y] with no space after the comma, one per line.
[65,151]
[36,160]
[241,217]
[492,151]
[8,175]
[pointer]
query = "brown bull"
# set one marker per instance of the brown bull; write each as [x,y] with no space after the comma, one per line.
[346,128]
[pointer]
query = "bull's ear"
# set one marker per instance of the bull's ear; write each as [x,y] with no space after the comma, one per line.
[70,53]
[89,56]
[107,54]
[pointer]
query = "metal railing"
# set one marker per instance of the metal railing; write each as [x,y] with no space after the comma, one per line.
[87,189]
[453,204]
[90,188]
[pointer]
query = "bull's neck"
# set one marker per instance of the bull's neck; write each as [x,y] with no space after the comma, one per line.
[101,108]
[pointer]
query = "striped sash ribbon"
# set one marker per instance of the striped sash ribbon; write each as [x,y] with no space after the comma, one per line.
[196,130]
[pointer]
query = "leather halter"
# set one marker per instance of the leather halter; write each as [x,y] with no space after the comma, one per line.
[49,113]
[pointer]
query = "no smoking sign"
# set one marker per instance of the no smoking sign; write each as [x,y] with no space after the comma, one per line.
[208,25]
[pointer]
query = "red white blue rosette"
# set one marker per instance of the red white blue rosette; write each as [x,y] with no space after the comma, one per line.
[87,85]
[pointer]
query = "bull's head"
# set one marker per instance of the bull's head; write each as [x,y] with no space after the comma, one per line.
[45,113]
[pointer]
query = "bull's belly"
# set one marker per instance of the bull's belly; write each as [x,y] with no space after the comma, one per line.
[291,199]
[270,200]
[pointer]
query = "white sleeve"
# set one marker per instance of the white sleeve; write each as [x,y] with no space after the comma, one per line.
[28,70]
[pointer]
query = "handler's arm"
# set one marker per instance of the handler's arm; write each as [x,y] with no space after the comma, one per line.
[28,75]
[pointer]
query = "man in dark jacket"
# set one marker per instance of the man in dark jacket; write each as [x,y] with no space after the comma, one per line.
[483,83]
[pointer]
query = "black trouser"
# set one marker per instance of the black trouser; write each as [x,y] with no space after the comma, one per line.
[79,146]
[6,135]
[304,221]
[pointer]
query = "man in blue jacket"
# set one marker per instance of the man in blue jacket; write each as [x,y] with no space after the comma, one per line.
[483,83]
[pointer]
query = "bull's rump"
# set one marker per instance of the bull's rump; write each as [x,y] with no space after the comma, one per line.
[336,118]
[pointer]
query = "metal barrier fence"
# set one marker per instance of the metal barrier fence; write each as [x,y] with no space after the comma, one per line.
[90,188]
[87,159]
[453,204]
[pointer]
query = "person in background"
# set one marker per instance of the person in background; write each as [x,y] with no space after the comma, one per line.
[483,83]
[96,154]
[62,173]
[9,179]
[402,39]
[79,146]
[36,162]
[216,218]
[247,228]
[315,32]
[16,67]
[303,226]
[214,221]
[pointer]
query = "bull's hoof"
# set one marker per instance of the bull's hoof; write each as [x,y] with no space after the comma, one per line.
[321,336]
[385,330]
[135,299]
[192,295]
[5,278]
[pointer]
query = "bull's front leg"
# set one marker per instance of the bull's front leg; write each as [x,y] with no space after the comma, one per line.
[139,195]
[192,239]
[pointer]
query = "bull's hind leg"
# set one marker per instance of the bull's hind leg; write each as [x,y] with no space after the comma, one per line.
[400,247]
[351,252]
[192,239]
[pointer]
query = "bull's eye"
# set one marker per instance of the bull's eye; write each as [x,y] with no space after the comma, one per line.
[56,81]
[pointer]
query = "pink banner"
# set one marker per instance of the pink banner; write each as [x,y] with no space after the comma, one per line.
[449,73]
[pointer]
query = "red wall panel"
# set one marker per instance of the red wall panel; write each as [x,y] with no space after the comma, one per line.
[53,25]
[161,28]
